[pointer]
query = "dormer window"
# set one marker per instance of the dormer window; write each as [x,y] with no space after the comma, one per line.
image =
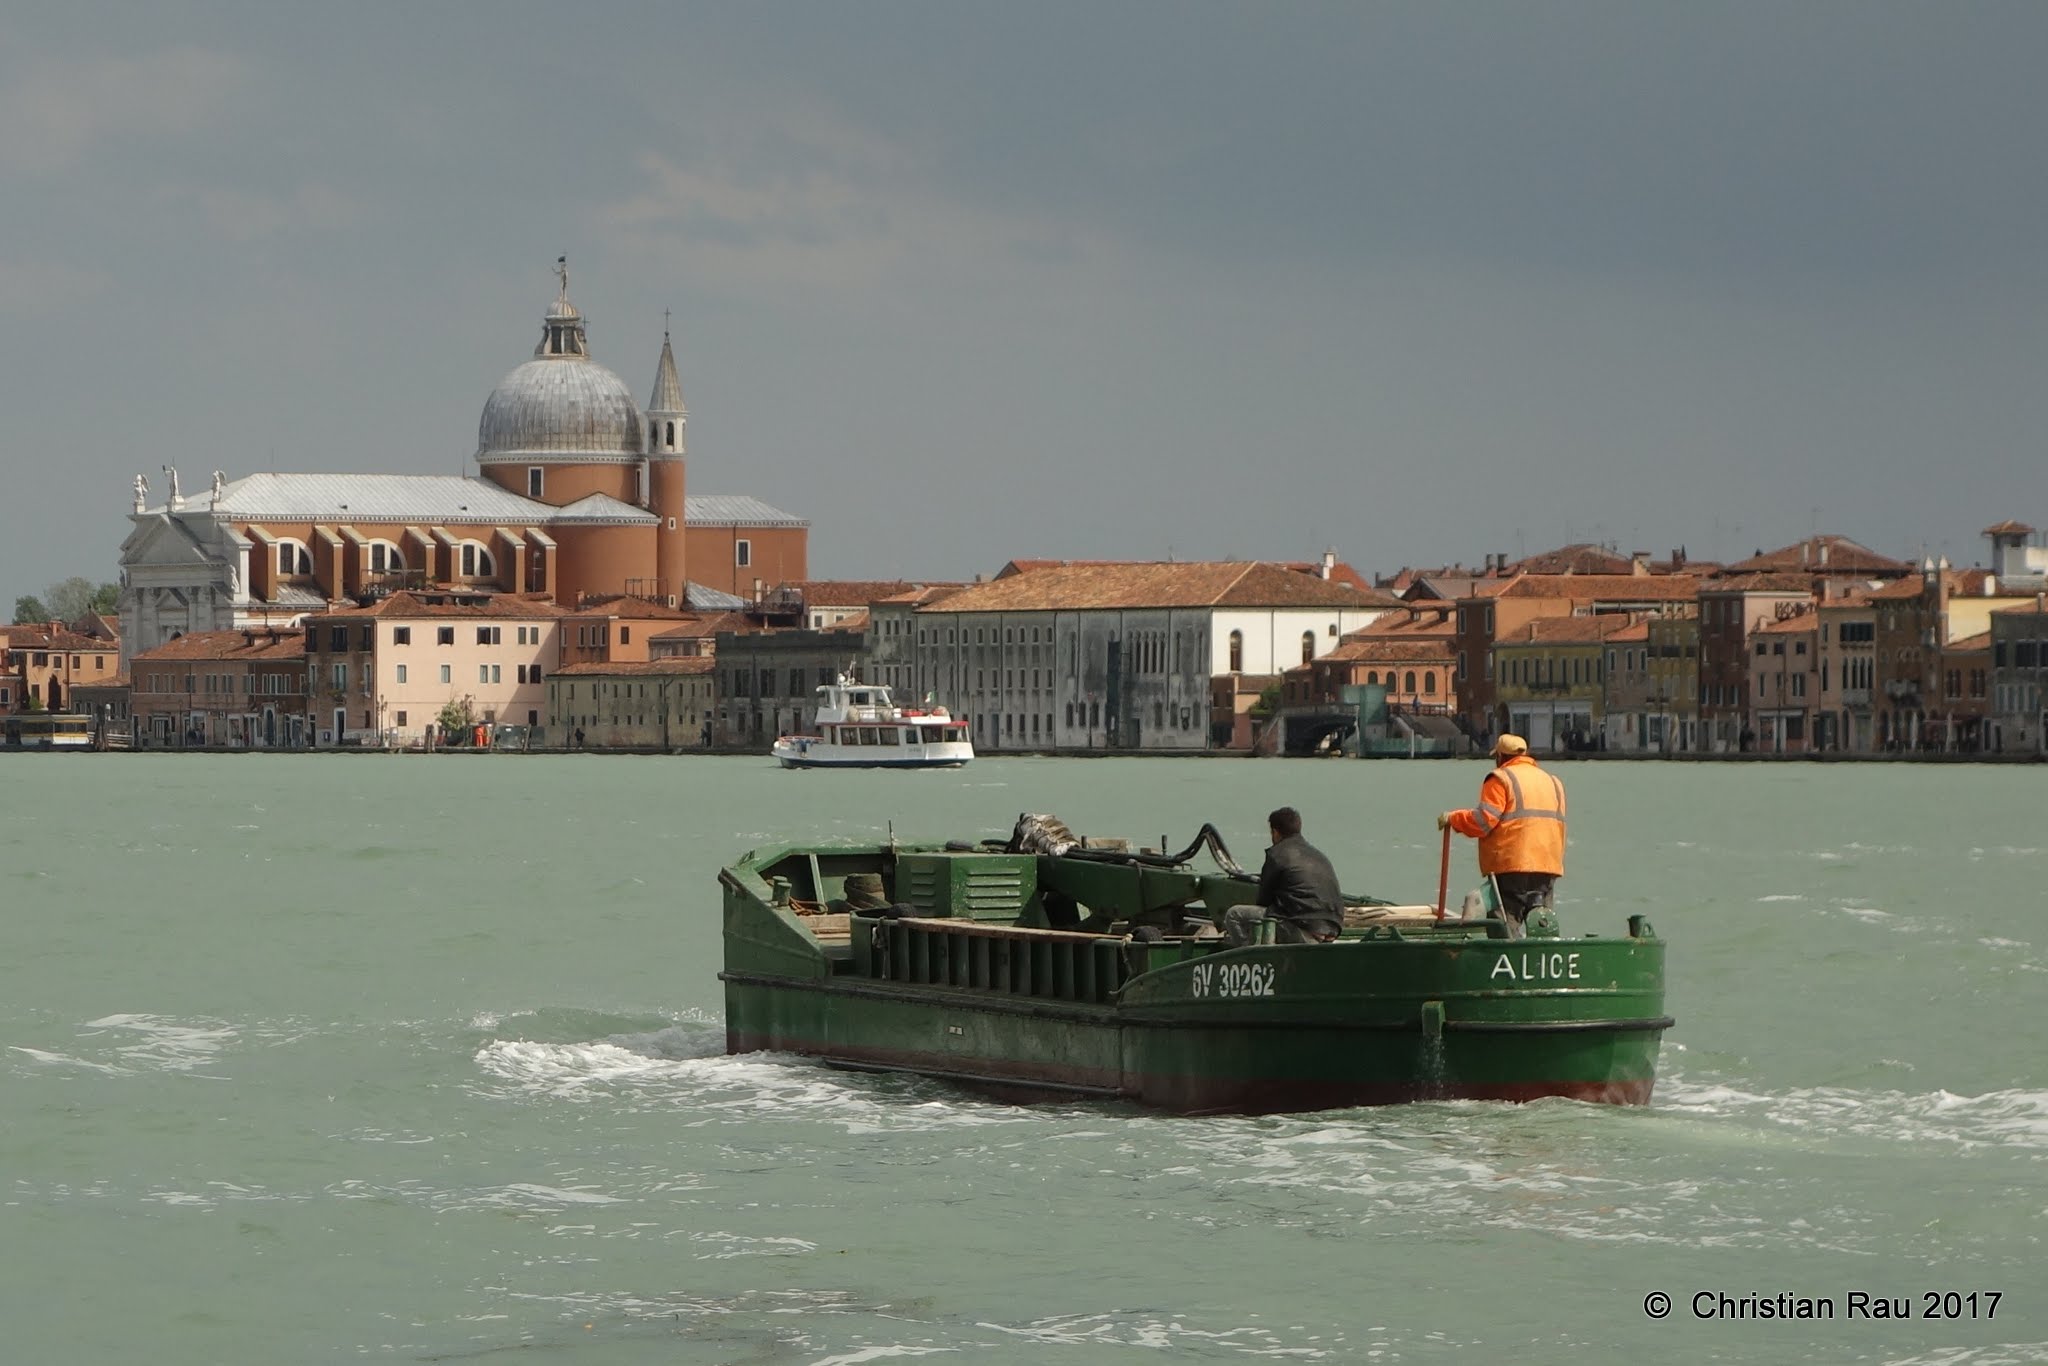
[534,480]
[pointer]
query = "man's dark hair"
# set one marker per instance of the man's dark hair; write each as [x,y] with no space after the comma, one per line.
[1286,822]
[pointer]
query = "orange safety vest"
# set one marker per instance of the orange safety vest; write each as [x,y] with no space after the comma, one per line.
[1519,821]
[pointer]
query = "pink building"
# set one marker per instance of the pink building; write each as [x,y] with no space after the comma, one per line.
[1784,682]
[450,661]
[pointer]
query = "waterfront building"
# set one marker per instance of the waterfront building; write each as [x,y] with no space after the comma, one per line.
[2019,676]
[111,705]
[821,604]
[578,494]
[1407,655]
[697,636]
[231,689]
[1239,707]
[421,667]
[1926,630]
[1404,660]
[1121,656]
[618,629]
[768,680]
[1551,678]
[1848,670]
[1672,724]
[892,635]
[664,704]
[1501,609]
[1784,681]
[1732,609]
[41,664]
[1630,704]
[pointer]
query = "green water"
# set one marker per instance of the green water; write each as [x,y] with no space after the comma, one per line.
[316,1059]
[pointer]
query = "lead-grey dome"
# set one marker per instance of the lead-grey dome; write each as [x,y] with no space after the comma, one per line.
[560,404]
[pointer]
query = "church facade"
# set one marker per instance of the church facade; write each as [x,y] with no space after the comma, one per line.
[579,493]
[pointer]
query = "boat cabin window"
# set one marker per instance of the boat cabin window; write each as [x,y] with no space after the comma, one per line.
[860,699]
[888,735]
[911,736]
[868,736]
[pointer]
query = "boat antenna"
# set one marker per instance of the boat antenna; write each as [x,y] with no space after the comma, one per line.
[892,837]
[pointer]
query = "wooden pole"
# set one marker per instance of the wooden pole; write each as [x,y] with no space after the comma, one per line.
[1443,875]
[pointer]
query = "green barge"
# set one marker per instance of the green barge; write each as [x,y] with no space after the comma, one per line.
[1052,968]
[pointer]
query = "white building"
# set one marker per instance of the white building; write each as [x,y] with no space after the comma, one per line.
[1119,656]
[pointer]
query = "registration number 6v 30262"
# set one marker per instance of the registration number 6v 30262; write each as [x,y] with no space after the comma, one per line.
[1233,979]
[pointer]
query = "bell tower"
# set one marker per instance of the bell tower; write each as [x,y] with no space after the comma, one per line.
[665,448]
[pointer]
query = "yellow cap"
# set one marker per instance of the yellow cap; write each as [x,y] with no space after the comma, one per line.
[1508,746]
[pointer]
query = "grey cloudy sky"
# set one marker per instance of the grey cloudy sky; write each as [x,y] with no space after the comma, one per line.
[967,281]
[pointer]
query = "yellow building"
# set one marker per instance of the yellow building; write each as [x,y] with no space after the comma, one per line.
[1674,718]
[665,704]
[1550,678]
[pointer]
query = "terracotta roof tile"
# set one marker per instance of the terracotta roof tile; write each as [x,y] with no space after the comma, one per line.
[1603,587]
[1568,630]
[230,646]
[1759,583]
[1581,558]
[1969,644]
[1136,586]
[1799,623]
[644,668]
[1354,649]
[64,641]
[2009,528]
[1821,554]
[626,605]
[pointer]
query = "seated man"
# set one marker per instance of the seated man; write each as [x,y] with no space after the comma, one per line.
[1297,888]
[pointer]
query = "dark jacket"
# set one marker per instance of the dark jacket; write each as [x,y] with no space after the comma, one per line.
[1299,884]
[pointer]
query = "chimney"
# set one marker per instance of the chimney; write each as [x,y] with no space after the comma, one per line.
[1329,562]
[1823,553]
[1805,547]
[1639,563]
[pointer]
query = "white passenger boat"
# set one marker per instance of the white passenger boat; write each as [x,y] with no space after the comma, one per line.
[860,726]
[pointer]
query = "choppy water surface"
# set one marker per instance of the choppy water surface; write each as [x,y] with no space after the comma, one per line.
[317,1059]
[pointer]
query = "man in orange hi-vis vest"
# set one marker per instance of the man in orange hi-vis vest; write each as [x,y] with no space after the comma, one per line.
[1519,824]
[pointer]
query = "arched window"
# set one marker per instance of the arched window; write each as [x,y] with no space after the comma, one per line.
[1429,684]
[476,561]
[671,441]
[1237,652]
[1372,676]
[385,559]
[293,560]
[1410,685]
[1308,646]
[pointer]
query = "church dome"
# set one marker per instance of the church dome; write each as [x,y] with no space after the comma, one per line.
[561,405]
